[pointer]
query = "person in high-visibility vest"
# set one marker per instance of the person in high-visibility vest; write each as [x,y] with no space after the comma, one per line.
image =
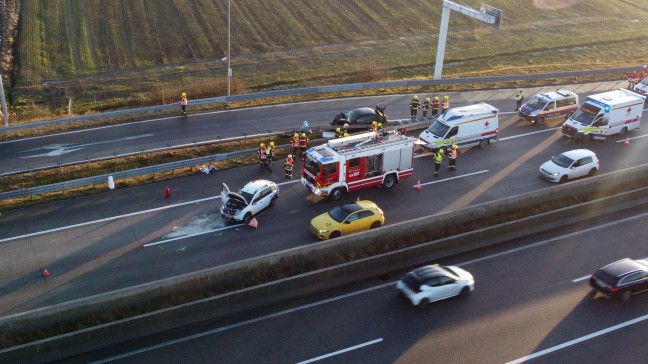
[303,141]
[452,158]
[438,159]
[338,133]
[426,106]
[374,126]
[414,106]
[295,144]
[270,153]
[262,154]
[435,106]
[446,104]
[288,166]
[183,103]
[518,100]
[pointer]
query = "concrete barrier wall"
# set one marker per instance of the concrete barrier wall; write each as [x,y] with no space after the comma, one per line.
[250,298]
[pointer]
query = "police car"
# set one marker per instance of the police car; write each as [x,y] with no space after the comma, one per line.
[549,105]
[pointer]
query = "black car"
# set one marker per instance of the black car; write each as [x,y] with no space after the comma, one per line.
[621,279]
[361,116]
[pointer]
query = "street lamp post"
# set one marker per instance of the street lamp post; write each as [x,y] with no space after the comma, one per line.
[229,69]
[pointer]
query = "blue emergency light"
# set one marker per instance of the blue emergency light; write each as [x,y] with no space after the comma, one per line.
[606,107]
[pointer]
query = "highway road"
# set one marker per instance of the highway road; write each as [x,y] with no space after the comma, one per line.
[80,146]
[120,238]
[531,303]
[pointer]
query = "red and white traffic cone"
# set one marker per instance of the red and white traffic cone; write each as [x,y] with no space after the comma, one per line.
[627,141]
[418,184]
[45,272]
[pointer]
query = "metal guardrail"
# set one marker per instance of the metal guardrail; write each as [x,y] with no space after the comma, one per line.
[101,179]
[326,89]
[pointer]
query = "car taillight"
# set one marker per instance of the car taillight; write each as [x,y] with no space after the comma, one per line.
[613,289]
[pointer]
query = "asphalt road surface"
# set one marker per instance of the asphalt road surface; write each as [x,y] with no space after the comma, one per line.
[532,303]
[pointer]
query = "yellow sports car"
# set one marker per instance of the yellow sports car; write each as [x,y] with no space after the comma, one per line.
[347,219]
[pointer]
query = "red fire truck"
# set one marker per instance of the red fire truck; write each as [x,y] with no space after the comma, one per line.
[356,162]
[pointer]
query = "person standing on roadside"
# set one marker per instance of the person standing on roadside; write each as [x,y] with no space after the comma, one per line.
[438,159]
[518,100]
[183,103]
[435,106]
[446,104]
[414,106]
[426,107]
[288,166]
[632,80]
[452,158]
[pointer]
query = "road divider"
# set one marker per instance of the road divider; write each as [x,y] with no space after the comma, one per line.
[380,251]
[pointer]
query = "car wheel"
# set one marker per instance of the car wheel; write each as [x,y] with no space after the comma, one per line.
[483,142]
[625,297]
[335,194]
[247,217]
[623,131]
[464,290]
[375,224]
[563,179]
[592,172]
[334,234]
[540,121]
[389,182]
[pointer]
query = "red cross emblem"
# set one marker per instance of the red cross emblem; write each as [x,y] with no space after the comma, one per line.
[486,123]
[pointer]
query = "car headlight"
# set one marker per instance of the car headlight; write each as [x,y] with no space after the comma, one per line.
[555,174]
[318,191]
[323,231]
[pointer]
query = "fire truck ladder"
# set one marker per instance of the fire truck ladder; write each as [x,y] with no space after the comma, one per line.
[370,142]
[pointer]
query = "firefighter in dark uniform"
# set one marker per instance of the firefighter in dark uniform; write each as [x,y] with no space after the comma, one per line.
[438,159]
[288,166]
[426,106]
[435,106]
[414,106]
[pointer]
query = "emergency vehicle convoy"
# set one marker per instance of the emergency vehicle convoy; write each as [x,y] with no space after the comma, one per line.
[463,126]
[549,105]
[601,115]
[358,161]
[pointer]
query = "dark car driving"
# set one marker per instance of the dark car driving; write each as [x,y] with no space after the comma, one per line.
[361,116]
[621,279]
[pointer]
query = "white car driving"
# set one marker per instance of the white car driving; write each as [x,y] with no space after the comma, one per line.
[248,201]
[569,165]
[435,282]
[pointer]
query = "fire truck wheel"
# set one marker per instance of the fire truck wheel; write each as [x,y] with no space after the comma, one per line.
[375,224]
[390,181]
[335,194]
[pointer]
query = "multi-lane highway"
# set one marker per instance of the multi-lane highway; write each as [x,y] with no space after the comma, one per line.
[532,302]
[120,238]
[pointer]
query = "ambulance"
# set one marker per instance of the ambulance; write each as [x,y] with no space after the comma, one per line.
[359,161]
[464,126]
[605,114]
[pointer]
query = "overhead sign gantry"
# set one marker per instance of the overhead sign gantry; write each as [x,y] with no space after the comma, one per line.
[487,14]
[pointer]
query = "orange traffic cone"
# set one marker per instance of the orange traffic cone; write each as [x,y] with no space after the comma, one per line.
[45,272]
[418,184]
[627,141]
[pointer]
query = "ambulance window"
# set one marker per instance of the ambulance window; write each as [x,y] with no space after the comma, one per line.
[354,163]
[453,132]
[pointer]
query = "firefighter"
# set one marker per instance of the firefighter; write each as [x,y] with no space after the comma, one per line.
[644,72]
[518,100]
[435,106]
[288,166]
[374,126]
[632,80]
[426,106]
[438,159]
[446,104]
[262,154]
[452,158]
[345,135]
[338,133]
[414,106]
[183,103]
[270,152]
[303,141]
[295,144]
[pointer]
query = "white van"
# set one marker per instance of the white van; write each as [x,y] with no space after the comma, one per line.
[642,87]
[464,126]
[549,105]
[601,115]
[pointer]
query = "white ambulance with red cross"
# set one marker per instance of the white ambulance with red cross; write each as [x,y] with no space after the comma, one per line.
[356,162]
[464,126]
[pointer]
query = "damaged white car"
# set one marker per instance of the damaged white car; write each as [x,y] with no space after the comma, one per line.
[251,199]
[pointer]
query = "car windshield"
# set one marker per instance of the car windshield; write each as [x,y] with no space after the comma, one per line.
[341,212]
[353,115]
[438,129]
[536,103]
[312,165]
[586,114]
[562,160]
[246,195]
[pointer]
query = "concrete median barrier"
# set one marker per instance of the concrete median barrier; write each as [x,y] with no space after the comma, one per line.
[246,299]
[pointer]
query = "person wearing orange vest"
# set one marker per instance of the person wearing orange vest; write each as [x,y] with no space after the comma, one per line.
[435,106]
[452,158]
[262,154]
[295,144]
[644,72]
[632,80]
[446,104]
[183,103]
[288,166]
[374,126]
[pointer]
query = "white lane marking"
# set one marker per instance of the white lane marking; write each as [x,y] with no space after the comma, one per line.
[578,340]
[122,216]
[450,178]
[333,299]
[633,138]
[244,323]
[587,277]
[341,351]
[543,242]
[192,235]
